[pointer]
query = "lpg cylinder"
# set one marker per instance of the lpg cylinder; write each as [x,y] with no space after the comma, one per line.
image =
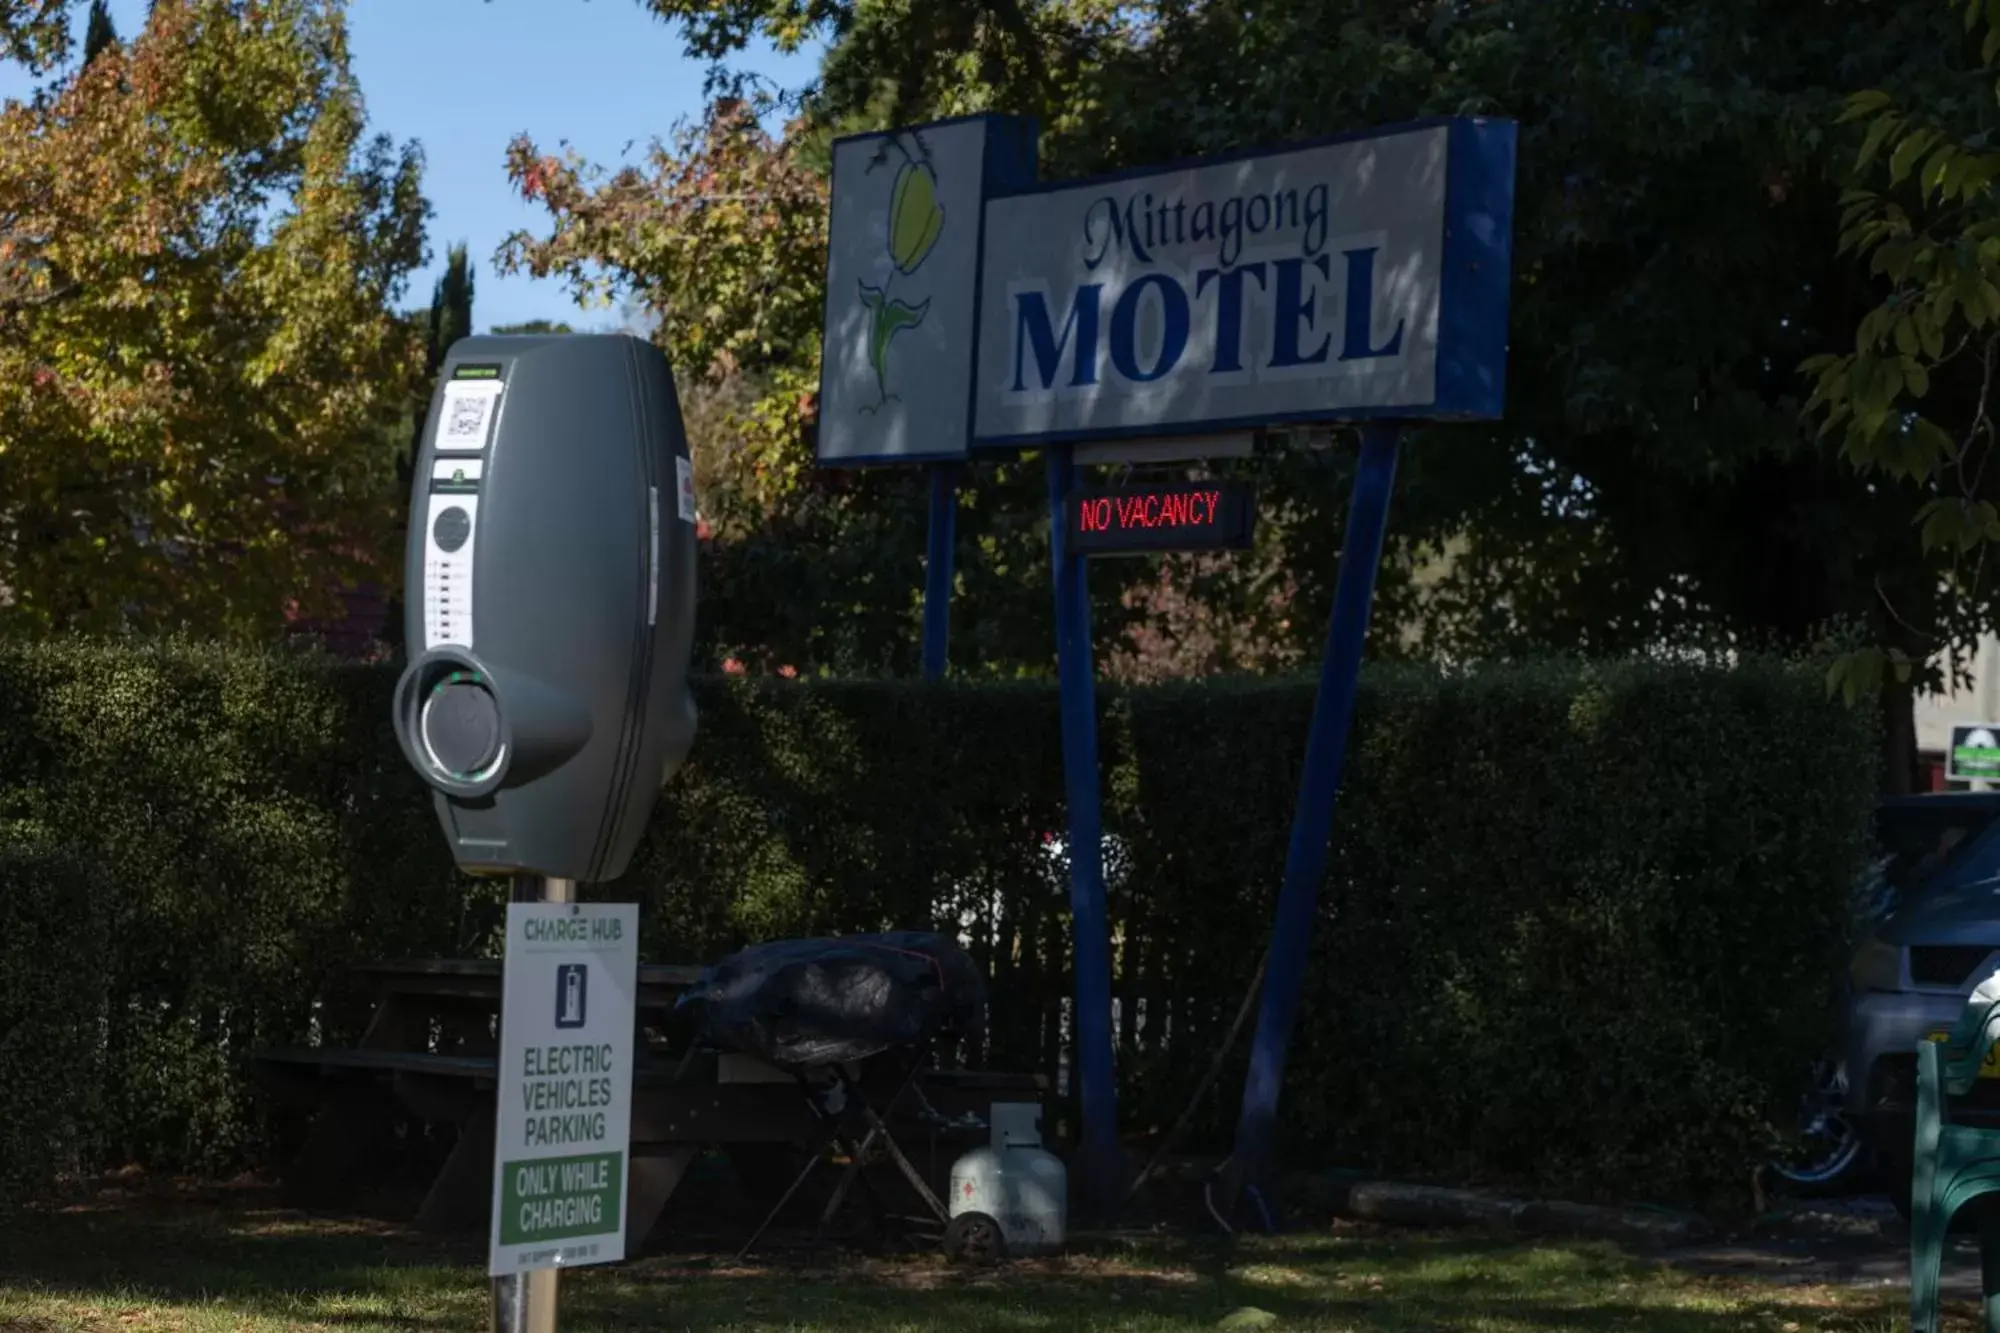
[1011,1197]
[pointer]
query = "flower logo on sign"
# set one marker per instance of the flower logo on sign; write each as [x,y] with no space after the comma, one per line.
[916,220]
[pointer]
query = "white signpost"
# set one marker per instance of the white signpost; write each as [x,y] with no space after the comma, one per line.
[567,1042]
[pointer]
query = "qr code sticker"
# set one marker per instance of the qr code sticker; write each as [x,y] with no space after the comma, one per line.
[468,419]
[467,416]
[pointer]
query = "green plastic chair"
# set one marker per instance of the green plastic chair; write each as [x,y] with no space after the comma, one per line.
[1953,1164]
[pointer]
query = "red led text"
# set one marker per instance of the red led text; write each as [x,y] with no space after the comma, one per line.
[1149,510]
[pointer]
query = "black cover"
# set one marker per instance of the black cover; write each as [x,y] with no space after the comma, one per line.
[803,1004]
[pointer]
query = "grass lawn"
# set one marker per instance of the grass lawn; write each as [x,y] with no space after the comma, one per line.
[241,1263]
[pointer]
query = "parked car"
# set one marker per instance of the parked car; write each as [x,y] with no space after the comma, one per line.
[1931,932]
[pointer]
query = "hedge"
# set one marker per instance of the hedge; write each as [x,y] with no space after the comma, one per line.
[1581,929]
[51,1010]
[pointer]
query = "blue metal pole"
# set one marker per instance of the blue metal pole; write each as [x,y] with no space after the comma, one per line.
[938,564]
[1097,1183]
[1312,818]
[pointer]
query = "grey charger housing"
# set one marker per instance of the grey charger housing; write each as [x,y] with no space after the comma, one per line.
[549,602]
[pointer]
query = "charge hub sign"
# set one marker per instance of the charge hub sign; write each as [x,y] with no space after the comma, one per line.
[567,1042]
[1359,277]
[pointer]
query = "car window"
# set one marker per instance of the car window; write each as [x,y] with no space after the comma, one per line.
[1913,845]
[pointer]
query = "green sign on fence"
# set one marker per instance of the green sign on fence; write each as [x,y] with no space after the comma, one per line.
[1975,753]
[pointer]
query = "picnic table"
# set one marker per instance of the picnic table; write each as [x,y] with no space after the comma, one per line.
[428,1053]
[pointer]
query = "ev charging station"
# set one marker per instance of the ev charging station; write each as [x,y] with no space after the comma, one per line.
[550,611]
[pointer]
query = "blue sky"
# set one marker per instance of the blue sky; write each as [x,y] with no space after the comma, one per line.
[464,76]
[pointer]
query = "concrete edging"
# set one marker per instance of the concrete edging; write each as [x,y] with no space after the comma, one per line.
[1435,1205]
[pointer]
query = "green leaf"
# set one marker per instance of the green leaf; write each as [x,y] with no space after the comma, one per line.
[1985,520]
[1858,210]
[1855,239]
[1894,258]
[1862,104]
[1976,172]
[1868,334]
[1943,297]
[1855,674]
[1831,383]
[1969,288]
[1906,336]
[1929,336]
[1907,152]
[1932,446]
[1873,386]
[1938,168]
[1943,524]
[1884,126]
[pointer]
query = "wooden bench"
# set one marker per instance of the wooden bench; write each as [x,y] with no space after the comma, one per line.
[679,1106]
[462,997]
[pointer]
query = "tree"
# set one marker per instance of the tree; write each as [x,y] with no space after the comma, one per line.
[99,33]
[1651,484]
[35,33]
[200,369]
[543,326]
[725,213]
[1911,405]
[451,308]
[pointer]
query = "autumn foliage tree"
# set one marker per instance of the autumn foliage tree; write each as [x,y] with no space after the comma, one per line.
[35,33]
[202,377]
[721,233]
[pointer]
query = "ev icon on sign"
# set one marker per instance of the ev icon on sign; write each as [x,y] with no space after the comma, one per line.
[572,981]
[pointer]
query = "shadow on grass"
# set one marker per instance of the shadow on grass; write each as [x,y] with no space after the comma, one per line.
[248,1263]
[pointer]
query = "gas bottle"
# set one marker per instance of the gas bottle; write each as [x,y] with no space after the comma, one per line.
[1011,1197]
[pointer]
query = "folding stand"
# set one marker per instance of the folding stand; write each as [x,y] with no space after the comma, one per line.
[849,1120]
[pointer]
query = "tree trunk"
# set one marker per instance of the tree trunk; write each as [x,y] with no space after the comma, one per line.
[1899,737]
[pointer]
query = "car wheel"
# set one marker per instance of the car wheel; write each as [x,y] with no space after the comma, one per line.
[1829,1155]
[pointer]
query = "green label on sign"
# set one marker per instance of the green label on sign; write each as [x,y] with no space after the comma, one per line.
[1976,761]
[560,1198]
